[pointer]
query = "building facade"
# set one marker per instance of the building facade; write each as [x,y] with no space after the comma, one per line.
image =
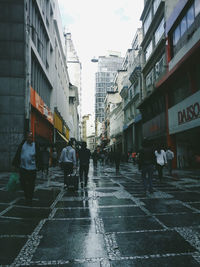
[33,76]
[131,95]
[75,72]
[170,104]
[107,68]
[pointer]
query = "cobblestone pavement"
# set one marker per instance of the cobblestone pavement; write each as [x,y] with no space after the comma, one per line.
[110,223]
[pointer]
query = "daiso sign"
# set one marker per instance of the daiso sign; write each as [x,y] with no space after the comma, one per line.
[189,113]
[185,115]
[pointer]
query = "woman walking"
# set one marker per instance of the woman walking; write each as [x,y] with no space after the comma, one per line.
[161,160]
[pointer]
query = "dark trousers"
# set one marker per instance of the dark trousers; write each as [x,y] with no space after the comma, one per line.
[83,171]
[27,180]
[169,165]
[68,169]
[147,175]
[117,163]
[160,171]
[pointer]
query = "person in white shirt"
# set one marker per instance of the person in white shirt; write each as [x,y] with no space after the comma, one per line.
[161,160]
[68,161]
[26,160]
[170,156]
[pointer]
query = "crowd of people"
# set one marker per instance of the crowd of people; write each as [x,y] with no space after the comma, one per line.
[30,157]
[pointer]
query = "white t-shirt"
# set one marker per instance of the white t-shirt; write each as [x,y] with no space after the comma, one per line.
[28,156]
[161,157]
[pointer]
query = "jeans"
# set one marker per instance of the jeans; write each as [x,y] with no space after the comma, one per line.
[147,175]
[169,165]
[84,168]
[68,169]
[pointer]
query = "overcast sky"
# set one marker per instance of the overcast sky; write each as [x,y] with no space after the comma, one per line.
[96,27]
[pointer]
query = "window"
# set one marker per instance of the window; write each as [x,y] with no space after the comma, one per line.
[149,79]
[159,66]
[159,32]
[148,50]
[176,35]
[190,16]
[197,7]
[147,22]
[156,4]
[183,25]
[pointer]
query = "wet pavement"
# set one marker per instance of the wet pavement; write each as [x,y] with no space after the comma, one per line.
[109,223]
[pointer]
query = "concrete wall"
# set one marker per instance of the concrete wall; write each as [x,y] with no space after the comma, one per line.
[12,79]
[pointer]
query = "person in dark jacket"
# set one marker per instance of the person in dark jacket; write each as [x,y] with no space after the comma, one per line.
[146,163]
[26,160]
[117,159]
[84,161]
[95,158]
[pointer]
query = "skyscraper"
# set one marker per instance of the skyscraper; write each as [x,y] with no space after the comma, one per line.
[107,68]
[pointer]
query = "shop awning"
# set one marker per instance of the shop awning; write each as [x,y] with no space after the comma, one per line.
[63,137]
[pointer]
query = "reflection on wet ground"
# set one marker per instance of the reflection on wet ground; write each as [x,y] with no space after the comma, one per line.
[109,223]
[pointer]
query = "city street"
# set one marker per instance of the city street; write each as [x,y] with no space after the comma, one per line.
[109,223]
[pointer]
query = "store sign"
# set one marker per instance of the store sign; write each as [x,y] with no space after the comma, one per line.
[38,103]
[154,127]
[185,115]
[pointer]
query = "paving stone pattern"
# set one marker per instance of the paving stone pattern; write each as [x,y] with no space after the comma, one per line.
[109,223]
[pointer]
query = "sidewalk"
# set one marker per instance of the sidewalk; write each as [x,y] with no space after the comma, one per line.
[111,223]
[176,173]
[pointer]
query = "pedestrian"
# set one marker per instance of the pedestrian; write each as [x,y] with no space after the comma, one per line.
[45,156]
[161,160]
[84,161]
[26,160]
[54,157]
[169,156]
[133,155]
[117,159]
[68,161]
[146,161]
[95,158]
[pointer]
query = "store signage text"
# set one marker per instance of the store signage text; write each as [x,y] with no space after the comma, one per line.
[192,112]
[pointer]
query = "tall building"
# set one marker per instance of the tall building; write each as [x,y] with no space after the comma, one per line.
[34,80]
[104,77]
[74,69]
[171,85]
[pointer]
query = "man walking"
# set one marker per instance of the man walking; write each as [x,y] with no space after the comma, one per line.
[84,161]
[146,162]
[117,159]
[68,161]
[170,156]
[27,160]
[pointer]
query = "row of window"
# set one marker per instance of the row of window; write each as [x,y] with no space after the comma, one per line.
[148,20]
[103,80]
[104,74]
[157,106]
[39,81]
[38,34]
[155,72]
[157,36]
[187,21]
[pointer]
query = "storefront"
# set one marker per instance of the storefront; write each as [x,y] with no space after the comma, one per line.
[61,132]
[128,137]
[155,130]
[138,132]
[41,120]
[184,124]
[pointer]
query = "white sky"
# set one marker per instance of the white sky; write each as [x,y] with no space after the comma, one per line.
[96,27]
